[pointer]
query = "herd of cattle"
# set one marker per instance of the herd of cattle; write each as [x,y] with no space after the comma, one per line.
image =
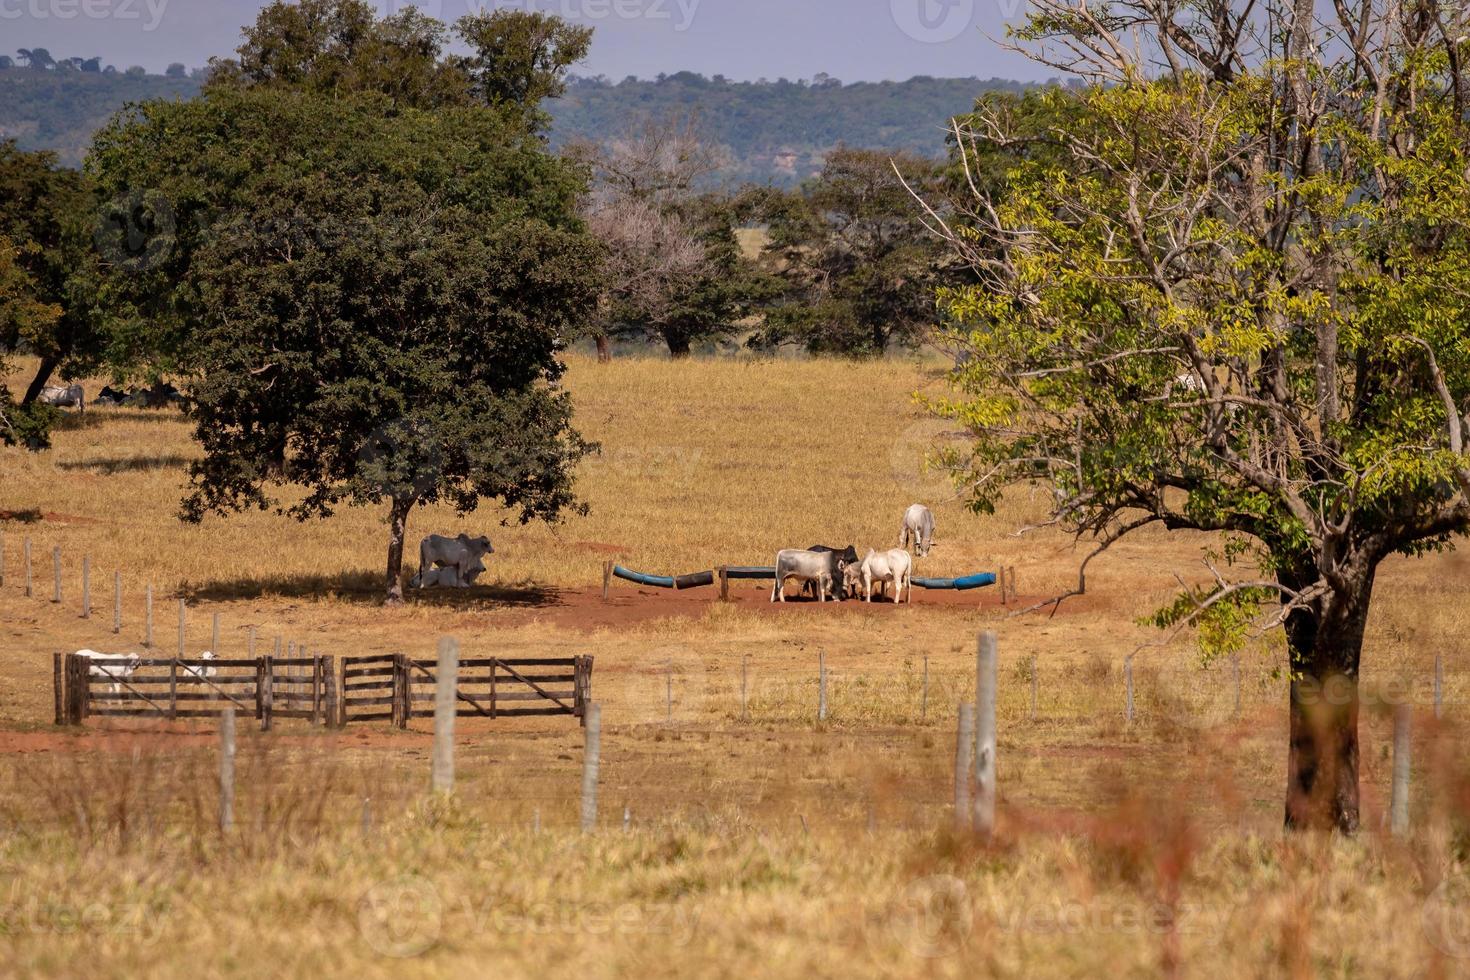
[160,395]
[838,574]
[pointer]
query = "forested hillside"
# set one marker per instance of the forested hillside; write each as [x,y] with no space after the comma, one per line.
[777,132]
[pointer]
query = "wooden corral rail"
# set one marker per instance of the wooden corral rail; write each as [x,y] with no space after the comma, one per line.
[267,687]
[492,687]
[381,687]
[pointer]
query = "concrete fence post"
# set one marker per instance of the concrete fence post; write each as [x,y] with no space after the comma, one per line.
[446,679]
[591,759]
[1399,802]
[1438,687]
[963,754]
[183,617]
[227,770]
[924,693]
[607,568]
[821,686]
[985,683]
[1128,687]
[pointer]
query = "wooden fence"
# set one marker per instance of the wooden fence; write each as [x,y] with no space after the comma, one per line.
[383,687]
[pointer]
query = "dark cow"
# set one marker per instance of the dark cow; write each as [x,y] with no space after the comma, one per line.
[847,556]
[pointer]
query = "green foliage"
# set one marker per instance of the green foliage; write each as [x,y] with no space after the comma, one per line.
[860,267]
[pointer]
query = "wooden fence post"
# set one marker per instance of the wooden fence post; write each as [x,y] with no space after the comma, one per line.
[1128,686]
[59,686]
[446,677]
[924,696]
[1438,687]
[405,690]
[1235,676]
[267,682]
[117,602]
[744,702]
[985,681]
[56,574]
[591,759]
[607,568]
[724,574]
[214,635]
[821,684]
[182,620]
[148,616]
[173,689]
[963,753]
[86,586]
[226,770]
[26,548]
[329,692]
[1399,804]
[1002,583]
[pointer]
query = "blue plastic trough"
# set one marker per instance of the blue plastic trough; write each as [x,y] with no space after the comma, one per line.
[967,582]
[691,581]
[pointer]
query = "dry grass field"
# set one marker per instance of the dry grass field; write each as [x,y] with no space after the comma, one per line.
[773,844]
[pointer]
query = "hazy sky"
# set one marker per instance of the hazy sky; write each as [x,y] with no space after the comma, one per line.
[742,39]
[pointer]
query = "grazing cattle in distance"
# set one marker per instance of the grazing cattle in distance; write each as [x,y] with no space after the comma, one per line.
[202,671]
[821,568]
[117,667]
[846,556]
[460,553]
[447,577]
[882,567]
[64,396]
[110,396]
[918,527]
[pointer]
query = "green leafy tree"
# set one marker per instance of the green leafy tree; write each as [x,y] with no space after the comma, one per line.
[367,297]
[860,267]
[1230,297]
[22,311]
[46,214]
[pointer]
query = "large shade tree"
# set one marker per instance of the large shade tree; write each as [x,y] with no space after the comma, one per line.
[1231,296]
[367,297]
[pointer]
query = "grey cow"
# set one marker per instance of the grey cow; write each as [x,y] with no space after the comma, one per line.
[823,568]
[447,577]
[918,526]
[460,553]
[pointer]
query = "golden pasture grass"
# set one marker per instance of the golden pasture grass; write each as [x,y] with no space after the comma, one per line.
[759,821]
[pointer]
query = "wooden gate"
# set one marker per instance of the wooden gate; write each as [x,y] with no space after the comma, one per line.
[172,688]
[370,688]
[493,687]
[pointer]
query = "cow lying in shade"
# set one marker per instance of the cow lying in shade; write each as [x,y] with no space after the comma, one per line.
[882,567]
[447,577]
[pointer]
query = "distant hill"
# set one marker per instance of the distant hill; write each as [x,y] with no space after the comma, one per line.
[776,132]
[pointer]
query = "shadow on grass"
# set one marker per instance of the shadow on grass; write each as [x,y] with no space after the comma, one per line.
[31,515]
[94,418]
[366,588]
[127,464]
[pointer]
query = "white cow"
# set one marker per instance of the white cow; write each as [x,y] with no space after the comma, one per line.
[819,567]
[64,396]
[202,671]
[882,567]
[117,667]
[918,526]
[461,553]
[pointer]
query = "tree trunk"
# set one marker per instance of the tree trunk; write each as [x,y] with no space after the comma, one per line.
[397,529]
[678,342]
[1322,762]
[43,375]
[604,348]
